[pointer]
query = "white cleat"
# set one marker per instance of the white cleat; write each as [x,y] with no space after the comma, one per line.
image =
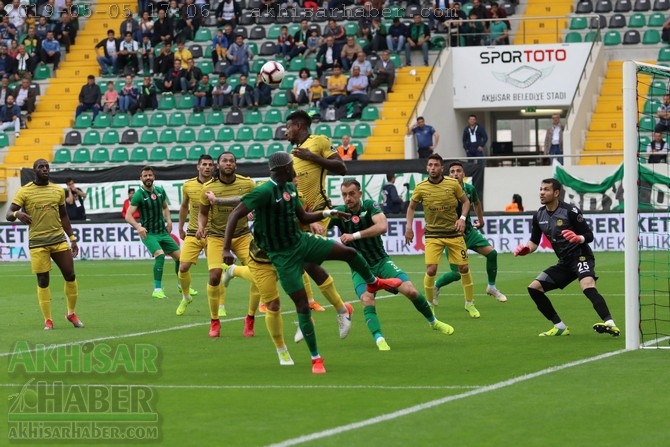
[494,292]
[344,320]
[298,337]
[436,296]
[284,357]
[228,275]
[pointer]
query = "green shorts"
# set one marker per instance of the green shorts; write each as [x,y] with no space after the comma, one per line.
[385,269]
[474,239]
[289,263]
[160,241]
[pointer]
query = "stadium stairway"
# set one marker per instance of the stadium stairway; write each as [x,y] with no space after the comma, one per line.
[56,107]
[387,141]
[549,31]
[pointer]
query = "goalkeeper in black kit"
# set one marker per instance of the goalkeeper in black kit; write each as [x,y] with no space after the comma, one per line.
[569,234]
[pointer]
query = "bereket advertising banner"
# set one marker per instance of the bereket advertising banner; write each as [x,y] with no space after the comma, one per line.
[518,76]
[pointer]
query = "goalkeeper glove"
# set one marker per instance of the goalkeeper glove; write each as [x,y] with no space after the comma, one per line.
[572,237]
[521,250]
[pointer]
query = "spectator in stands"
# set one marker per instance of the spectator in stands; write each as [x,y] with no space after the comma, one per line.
[182,54]
[500,13]
[108,61]
[365,20]
[243,93]
[663,114]
[392,203]
[5,91]
[473,31]
[474,138]
[148,98]
[146,52]
[375,35]
[478,9]
[6,63]
[314,42]
[349,53]
[315,93]
[300,92]
[13,49]
[426,137]
[42,28]
[227,12]
[146,27]
[191,77]
[221,94]
[438,12]
[219,47]
[516,206]
[126,61]
[337,88]
[397,33]
[126,204]
[327,56]
[311,5]
[454,21]
[284,44]
[50,51]
[336,32]
[657,149]
[129,25]
[189,23]
[300,37]
[8,31]
[89,98]
[347,150]
[262,94]
[10,115]
[163,30]
[32,43]
[363,64]
[384,72]
[230,34]
[418,38]
[239,56]
[74,201]
[17,14]
[553,138]
[172,82]
[25,97]
[65,32]
[165,60]
[270,6]
[110,99]
[498,32]
[128,96]
[173,13]
[202,94]
[357,88]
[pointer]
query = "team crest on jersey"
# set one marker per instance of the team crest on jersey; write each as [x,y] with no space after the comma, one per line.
[286,196]
[582,258]
[355,219]
[559,223]
[580,218]
[153,196]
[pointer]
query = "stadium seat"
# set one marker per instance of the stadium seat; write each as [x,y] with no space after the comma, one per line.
[91,138]
[206,135]
[623,6]
[139,119]
[264,18]
[186,102]
[323,129]
[149,136]
[244,133]
[590,36]
[139,154]
[310,63]
[167,136]
[225,134]
[186,136]
[646,124]
[656,20]
[280,133]
[196,51]
[651,37]
[631,37]
[274,147]
[42,72]
[664,54]
[642,144]
[359,146]
[273,32]
[110,137]
[661,5]
[657,88]
[120,155]
[166,102]
[214,118]
[196,119]
[617,21]
[287,82]
[612,38]
[268,49]
[247,18]
[205,66]
[129,136]
[573,37]
[234,117]
[351,28]
[264,133]
[72,138]
[341,130]
[158,119]
[241,31]
[177,153]
[642,5]
[121,120]
[578,23]
[62,155]
[637,20]
[362,130]
[215,150]
[257,33]
[158,154]
[177,119]
[81,155]
[253,117]
[203,35]
[102,121]
[255,151]
[599,22]
[100,155]
[195,152]
[296,64]
[377,96]
[279,99]
[585,7]
[272,116]
[4,140]
[237,150]
[603,6]
[371,113]
[256,65]
[83,121]
[253,47]
[651,106]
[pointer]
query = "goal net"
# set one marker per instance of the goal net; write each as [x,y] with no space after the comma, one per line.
[647,203]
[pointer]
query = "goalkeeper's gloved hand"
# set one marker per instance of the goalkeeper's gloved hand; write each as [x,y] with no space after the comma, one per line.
[572,237]
[521,250]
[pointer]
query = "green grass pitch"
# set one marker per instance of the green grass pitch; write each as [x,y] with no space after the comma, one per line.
[493,383]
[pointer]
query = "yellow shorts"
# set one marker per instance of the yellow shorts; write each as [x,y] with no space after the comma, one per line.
[191,248]
[240,247]
[265,277]
[324,223]
[40,257]
[455,246]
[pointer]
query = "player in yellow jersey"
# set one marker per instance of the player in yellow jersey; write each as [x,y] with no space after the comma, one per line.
[444,229]
[315,156]
[40,204]
[226,185]
[192,246]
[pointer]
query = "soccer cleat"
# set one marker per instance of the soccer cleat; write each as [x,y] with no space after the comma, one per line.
[191,290]
[285,358]
[298,337]
[222,311]
[317,366]
[183,305]
[390,285]
[228,275]
[603,328]
[436,296]
[249,326]
[494,292]
[159,294]
[316,307]
[48,325]
[382,345]
[555,332]
[445,328]
[72,318]
[215,328]
[344,320]
[472,310]
[263,308]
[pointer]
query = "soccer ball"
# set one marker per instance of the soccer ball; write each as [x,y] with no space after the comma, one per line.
[272,73]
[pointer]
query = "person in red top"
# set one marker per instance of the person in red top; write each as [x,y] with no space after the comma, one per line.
[126,204]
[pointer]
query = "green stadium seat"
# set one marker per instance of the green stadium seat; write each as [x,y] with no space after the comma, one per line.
[149,136]
[273,116]
[158,119]
[244,133]
[359,146]
[4,139]
[205,66]
[323,129]
[100,155]
[256,65]
[612,38]
[573,37]
[186,135]
[215,150]
[253,47]
[62,156]
[287,82]
[81,155]
[121,120]
[195,152]
[274,147]
[437,42]
[158,154]
[279,99]
[139,154]
[273,32]
[341,130]
[206,135]
[664,54]
[253,117]
[120,155]
[578,23]
[177,153]
[642,144]
[293,28]
[91,138]
[167,136]
[396,11]
[225,134]
[177,119]
[42,72]
[646,124]
[264,133]
[657,88]
[651,106]
[637,20]
[311,64]
[166,102]
[590,36]
[237,150]
[396,59]
[83,121]
[651,37]
[296,64]
[203,35]
[196,119]
[370,113]
[656,20]
[351,28]
[215,118]
[255,151]
[110,137]
[362,130]
[362,41]
[102,121]
[139,119]
[186,101]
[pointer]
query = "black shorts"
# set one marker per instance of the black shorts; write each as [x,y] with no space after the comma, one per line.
[560,275]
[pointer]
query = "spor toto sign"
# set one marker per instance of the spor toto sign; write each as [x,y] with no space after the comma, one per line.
[527,76]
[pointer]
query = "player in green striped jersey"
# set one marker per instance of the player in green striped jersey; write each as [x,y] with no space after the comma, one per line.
[362,230]
[155,226]
[276,206]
